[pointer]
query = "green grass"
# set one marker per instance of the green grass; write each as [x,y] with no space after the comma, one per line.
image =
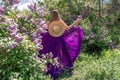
[87,67]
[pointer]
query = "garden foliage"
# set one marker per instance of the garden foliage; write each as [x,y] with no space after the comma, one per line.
[20,40]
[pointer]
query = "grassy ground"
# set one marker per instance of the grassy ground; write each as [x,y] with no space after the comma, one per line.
[105,67]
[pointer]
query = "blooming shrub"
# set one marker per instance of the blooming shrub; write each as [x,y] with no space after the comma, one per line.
[20,62]
[20,41]
[101,32]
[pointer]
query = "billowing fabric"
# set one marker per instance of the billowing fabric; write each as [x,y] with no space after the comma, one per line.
[66,48]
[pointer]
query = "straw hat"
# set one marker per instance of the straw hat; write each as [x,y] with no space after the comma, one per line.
[56,25]
[56,28]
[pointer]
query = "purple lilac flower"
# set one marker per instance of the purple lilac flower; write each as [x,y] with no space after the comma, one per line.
[91,35]
[34,35]
[105,29]
[15,7]
[102,37]
[32,21]
[8,21]
[37,41]
[33,7]
[12,28]
[30,16]
[13,45]
[12,2]
[80,17]
[41,11]
[13,35]
[37,38]
[24,30]
[90,25]
[42,24]
[2,9]
[41,28]
[25,17]
[18,39]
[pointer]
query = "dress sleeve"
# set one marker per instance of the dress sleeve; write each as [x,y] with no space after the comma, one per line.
[73,40]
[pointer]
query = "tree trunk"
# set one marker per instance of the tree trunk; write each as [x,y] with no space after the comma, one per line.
[115,5]
[99,8]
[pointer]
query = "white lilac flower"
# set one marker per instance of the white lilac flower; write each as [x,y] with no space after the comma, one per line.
[39,47]
[9,21]
[80,17]
[18,16]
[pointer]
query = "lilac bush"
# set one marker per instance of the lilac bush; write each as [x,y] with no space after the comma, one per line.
[17,26]
[41,28]
[12,27]
[2,9]
[11,2]
[20,41]
[20,38]
[97,37]
[41,11]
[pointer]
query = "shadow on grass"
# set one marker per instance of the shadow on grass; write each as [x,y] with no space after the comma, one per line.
[65,74]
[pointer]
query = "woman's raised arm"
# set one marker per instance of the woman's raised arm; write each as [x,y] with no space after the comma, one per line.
[74,23]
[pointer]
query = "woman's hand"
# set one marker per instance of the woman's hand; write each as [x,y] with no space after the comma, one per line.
[74,23]
[79,18]
[77,21]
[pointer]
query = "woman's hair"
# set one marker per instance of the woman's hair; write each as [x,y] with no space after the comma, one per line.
[55,16]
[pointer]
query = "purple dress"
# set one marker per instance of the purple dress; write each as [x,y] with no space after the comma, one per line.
[66,48]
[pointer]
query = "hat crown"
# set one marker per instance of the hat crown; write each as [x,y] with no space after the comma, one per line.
[56,29]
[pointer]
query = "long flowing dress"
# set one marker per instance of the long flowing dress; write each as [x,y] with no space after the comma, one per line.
[66,48]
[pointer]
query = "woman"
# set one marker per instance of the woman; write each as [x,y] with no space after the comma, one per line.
[65,47]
